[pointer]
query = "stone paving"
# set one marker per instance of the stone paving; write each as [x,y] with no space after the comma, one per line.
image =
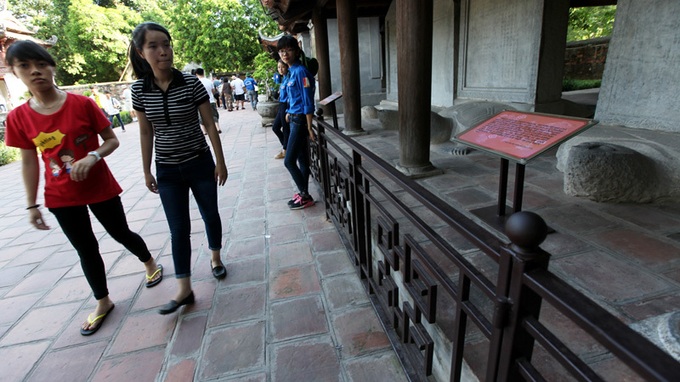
[291,308]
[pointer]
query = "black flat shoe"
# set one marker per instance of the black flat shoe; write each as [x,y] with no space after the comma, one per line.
[174,305]
[219,272]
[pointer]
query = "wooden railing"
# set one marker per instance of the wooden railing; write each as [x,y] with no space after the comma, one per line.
[456,297]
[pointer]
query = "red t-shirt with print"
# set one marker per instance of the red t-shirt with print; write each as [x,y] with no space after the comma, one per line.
[64,138]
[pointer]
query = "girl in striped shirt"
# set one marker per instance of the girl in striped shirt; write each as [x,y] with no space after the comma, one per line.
[167,102]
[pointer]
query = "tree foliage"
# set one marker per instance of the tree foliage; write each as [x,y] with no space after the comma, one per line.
[220,35]
[95,40]
[590,22]
[93,35]
[31,12]
[265,67]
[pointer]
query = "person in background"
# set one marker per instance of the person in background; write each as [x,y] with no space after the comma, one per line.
[251,88]
[127,103]
[300,94]
[200,73]
[280,126]
[76,175]
[98,98]
[168,103]
[112,107]
[238,90]
[227,95]
[215,90]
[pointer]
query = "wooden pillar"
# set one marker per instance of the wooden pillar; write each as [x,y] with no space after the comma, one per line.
[322,55]
[348,35]
[414,69]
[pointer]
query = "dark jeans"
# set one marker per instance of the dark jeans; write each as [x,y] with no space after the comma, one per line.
[120,120]
[76,224]
[280,127]
[297,152]
[174,183]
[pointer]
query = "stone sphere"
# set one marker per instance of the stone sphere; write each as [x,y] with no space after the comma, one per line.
[526,229]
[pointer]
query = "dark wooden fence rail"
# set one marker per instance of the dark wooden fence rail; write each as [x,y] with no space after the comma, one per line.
[449,289]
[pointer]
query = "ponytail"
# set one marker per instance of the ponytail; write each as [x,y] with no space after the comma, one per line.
[140,66]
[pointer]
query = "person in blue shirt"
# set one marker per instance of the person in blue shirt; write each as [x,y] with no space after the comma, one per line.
[280,126]
[252,92]
[299,88]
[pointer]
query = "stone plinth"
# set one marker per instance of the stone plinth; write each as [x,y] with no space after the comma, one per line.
[268,111]
[606,172]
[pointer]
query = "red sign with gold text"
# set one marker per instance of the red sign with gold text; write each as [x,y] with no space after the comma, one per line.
[521,136]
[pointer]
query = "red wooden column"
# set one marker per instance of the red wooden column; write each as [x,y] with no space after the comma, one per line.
[414,68]
[322,55]
[348,35]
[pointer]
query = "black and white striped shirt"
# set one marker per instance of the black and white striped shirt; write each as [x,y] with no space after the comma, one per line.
[174,116]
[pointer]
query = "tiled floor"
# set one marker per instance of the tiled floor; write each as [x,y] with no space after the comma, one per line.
[291,308]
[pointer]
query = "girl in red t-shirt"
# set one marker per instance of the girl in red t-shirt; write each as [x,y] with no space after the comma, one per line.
[64,127]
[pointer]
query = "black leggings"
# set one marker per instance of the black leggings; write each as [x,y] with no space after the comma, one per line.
[280,127]
[75,222]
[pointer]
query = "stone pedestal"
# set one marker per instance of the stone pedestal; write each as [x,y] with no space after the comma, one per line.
[268,111]
[604,172]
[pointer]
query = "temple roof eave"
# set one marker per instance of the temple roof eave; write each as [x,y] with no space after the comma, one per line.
[293,15]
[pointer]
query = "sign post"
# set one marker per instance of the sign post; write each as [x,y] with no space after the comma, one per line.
[330,101]
[519,137]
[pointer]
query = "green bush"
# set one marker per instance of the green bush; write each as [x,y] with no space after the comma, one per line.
[8,154]
[125,115]
[570,84]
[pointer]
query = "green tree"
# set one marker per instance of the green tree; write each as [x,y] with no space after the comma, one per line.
[92,40]
[265,67]
[95,41]
[30,12]
[220,35]
[259,18]
[590,22]
[93,35]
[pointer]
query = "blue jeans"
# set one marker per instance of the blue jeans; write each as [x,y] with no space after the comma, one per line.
[174,183]
[76,224]
[297,152]
[253,98]
[120,120]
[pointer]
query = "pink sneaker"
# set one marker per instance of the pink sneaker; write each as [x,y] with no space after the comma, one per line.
[303,202]
[296,198]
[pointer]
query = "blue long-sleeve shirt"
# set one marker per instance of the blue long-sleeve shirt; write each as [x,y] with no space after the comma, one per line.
[283,95]
[299,90]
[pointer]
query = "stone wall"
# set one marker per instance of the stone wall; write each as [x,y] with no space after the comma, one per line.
[370,61]
[116,88]
[640,83]
[585,60]
[499,51]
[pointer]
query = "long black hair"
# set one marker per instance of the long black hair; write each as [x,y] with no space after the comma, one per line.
[140,67]
[27,50]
